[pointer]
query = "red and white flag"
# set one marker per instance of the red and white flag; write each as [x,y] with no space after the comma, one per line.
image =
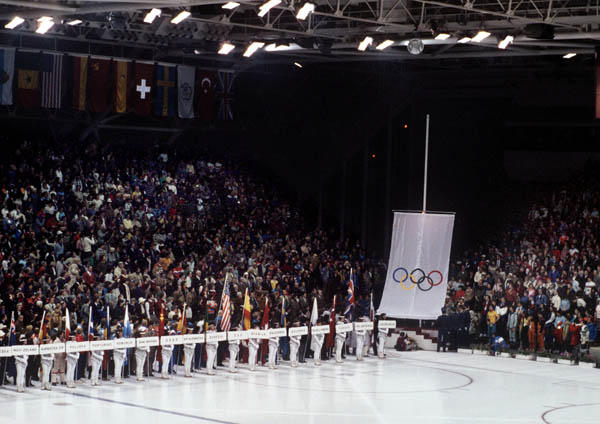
[67,325]
[52,67]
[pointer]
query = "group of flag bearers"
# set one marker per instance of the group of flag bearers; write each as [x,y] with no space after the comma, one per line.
[338,335]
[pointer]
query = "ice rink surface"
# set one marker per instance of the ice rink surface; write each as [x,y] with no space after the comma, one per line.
[412,387]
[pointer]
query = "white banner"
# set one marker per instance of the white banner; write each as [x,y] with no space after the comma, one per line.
[5,351]
[186,81]
[171,340]
[147,341]
[102,345]
[298,331]
[193,338]
[26,350]
[319,329]
[387,324]
[364,326]
[124,343]
[78,347]
[258,334]
[236,335]
[343,328]
[277,332]
[417,275]
[52,348]
[216,337]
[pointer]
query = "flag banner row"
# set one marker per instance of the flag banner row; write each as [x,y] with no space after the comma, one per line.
[417,274]
[63,81]
[142,342]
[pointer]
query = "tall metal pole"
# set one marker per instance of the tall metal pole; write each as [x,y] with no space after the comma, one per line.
[388,184]
[364,210]
[425,172]
[343,200]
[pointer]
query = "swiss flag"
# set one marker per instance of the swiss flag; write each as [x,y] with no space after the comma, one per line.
[144,89]
[205,100]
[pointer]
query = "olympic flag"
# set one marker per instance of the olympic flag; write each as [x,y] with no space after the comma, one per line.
[417,275]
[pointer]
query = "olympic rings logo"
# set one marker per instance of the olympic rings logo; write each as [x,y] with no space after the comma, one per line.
[418,278]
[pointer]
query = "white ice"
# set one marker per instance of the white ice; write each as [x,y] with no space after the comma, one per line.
[413,387]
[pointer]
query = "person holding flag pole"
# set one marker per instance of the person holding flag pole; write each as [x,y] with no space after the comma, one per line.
[181,329]
[120,354]
[46,359]
[72,357]
[330,339]
[264,346]
[141,352]
[316,343]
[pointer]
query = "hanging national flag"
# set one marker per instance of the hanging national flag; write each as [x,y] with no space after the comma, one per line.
[330,342]
[90,326]
[164,104]
[28,79]
[52,71]
[99,83]
[348,311]
[314,316]
[80,79]
[144,89]
[106,332]
[226,307]
[283,314]
[43,328]
[122,77]
[67,325]
[371,309]
[7,70]
[181,323]
[185,94]
[205,99]
[247,312]
[12,340]
[225,95]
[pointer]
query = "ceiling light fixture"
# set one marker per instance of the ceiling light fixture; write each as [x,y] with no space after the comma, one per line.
[252,48]
[75,22]
[464,40]
[480,36]
[44,24]
[366,42]
[15,22]
[226,48]
[384,44]
[231,5]
[297,64]
[504,43]
[264,9]
[182,15]
[569,55]
[152,15]
[442,36]
[305,10]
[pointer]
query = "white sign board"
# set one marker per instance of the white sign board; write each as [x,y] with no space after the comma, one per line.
[319,329]
[171,340]
[147,341]
[5,351]
[387,324]
[343,328]
[216,336]
[102,345]
[26,350]
[237,335]
[298,331]
[124,343]
[277,332]
[364,326]
[193,338]
[46,349]
[73,347]
[258,334]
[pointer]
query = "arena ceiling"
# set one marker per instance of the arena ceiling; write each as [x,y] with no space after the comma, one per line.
[331,32]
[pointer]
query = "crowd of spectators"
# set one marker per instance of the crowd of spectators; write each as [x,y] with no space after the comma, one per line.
[90,227]
[538,286]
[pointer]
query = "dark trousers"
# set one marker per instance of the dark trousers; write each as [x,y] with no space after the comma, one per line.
[442,340]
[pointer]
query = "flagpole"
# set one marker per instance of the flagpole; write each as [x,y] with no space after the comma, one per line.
[426,160]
